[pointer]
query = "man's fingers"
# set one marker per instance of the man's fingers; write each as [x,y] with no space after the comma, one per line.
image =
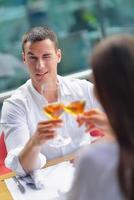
[48,134]
[51,137]
[59,121]
[42,126]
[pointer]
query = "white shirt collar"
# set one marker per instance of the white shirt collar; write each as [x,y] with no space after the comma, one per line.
[64,90]
[36,94]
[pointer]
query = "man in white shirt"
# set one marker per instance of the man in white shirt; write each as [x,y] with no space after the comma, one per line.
[27,130]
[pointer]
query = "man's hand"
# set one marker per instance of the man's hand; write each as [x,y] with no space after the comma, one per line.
[45,131]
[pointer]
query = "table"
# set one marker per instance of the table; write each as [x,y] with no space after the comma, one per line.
[5,194]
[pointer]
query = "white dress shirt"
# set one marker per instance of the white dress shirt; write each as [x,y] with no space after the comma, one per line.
[23,110]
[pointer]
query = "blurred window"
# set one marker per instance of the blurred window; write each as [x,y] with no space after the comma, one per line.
[79,24]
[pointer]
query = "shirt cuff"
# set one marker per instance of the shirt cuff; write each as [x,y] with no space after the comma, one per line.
[13,163]
[42,159]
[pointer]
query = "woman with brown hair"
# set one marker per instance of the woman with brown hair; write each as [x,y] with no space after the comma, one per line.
[106,170]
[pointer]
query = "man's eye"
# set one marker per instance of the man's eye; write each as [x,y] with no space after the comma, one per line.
[47,56]
[32,58]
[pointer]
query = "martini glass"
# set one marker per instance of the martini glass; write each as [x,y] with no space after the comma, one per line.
[54,111]
[76,108]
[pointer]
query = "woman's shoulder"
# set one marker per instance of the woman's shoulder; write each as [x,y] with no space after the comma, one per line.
[100,154]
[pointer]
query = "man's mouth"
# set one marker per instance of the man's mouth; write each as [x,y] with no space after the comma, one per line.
[41,74]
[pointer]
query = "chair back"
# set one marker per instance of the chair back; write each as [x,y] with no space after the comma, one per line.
[3,153]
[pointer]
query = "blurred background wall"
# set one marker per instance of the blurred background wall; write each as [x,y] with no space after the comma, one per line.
[79,24]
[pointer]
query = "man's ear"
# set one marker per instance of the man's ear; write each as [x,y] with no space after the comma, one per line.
[59,55]
[23,57]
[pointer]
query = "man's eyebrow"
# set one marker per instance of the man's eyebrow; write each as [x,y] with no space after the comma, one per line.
[30,53]
[47,54]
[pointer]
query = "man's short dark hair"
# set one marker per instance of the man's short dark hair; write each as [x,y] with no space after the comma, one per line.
[38,34]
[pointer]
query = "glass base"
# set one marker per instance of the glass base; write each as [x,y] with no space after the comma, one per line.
[86,140]
[60,141]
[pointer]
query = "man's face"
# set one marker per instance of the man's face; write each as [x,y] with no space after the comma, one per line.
[41,57]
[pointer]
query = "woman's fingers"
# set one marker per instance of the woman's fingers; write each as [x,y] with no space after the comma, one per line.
[84,120]
[89,127]
[93,111]
[96,122]
[80,120]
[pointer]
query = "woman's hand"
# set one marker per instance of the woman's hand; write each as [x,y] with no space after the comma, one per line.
[95,118]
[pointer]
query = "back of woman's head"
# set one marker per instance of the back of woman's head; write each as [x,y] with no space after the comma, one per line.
[113,69]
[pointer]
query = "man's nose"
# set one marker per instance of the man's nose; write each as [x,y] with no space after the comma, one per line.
[40,64]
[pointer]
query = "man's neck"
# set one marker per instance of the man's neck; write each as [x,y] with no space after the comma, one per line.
[52,97]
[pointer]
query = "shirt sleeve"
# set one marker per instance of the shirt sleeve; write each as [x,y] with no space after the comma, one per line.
[12,161]
[16,134]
